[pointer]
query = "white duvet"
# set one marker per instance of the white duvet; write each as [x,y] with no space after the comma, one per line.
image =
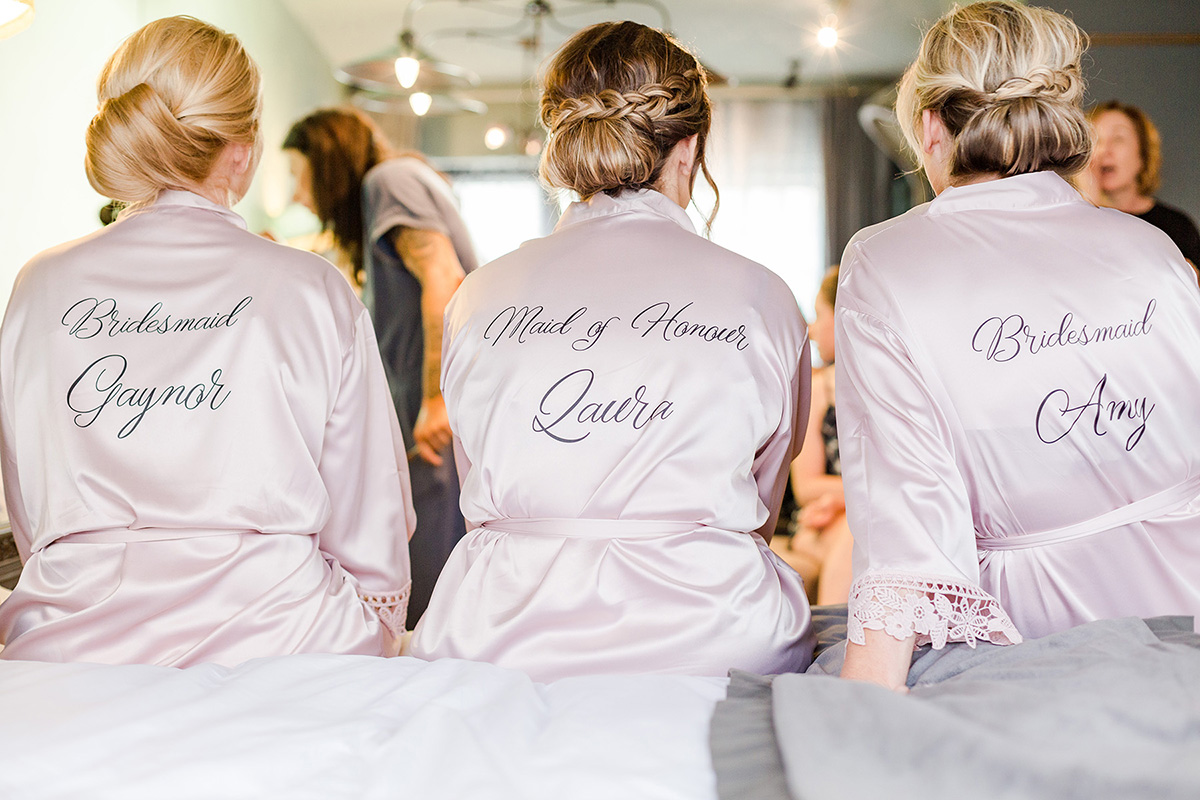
[353,727]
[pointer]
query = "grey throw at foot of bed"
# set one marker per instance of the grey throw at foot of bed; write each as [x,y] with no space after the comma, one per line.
[1110,709]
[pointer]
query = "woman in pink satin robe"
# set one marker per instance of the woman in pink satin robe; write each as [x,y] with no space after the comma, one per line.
[201,459]
[626,399]
[1017,370]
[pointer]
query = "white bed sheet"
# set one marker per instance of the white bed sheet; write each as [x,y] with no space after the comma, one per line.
[353,727]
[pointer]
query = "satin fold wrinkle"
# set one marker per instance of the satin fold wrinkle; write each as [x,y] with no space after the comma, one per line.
[626,398]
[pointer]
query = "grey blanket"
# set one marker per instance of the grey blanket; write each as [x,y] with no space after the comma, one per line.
[1106,710]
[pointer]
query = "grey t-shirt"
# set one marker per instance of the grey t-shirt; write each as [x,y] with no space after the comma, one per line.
[404,192]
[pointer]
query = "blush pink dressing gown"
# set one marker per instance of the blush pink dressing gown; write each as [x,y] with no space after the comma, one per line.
[1018,376]
[626,397]
[201,458]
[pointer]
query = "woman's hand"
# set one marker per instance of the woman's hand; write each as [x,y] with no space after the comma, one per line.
[821,512]
[432,430]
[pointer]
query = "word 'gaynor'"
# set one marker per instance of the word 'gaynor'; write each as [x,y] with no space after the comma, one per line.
[101,385]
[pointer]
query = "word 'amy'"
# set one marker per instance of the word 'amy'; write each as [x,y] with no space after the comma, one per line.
[100,386]
[1056,417]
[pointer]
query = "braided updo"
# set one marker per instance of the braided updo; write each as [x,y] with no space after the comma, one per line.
[1006,81]
[617,97]
[171,97]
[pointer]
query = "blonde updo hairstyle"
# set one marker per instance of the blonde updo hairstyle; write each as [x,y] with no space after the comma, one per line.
[617,98]
[171,97]
[1007,83]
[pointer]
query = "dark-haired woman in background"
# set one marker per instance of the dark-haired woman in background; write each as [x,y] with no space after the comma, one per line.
[200,457]
[626,398]
[1124,173]
[1016,384]
[397,223]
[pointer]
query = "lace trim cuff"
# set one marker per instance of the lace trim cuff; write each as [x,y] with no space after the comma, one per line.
[392,609]
[936,611]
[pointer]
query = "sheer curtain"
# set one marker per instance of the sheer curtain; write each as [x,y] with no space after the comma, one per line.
[765,156]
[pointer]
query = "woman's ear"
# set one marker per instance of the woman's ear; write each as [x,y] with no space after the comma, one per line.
[933,130]
[241,157]
[685,150]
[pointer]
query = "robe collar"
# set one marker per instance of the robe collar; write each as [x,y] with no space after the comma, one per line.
[1019,192]
[642,202]
[178,197]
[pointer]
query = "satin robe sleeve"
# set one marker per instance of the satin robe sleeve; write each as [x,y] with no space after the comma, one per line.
[915,562]
[365,471]
[772,462]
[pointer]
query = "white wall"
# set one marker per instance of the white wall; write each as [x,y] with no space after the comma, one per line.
[48,96]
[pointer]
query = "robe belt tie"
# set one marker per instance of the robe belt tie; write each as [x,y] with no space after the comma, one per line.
[130,535]
[592,528]
[1156,505]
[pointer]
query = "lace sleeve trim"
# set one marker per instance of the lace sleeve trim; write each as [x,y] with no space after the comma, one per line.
[392,609]
[936,611]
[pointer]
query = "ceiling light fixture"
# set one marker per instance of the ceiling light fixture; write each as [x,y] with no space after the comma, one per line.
[407,70]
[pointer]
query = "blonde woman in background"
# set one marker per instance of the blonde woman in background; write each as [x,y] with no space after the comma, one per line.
[626,398]
[1015,376]
[201,459]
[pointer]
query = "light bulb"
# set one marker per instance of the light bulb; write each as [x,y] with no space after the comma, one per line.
[495,137]
[11,9]
[420,103]
[407,71]
[15,16]
[827,37]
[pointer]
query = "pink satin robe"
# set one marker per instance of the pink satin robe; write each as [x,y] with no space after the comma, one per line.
[626,397]
[1018,375]
[201,459]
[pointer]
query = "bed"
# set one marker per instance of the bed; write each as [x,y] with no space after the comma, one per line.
[334,727]
[1105,711]
[1111,709]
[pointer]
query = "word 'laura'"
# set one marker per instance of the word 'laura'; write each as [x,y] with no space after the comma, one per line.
[567,405]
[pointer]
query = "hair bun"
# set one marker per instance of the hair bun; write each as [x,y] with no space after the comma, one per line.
[136,147]
[1006,80]
[171,97]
